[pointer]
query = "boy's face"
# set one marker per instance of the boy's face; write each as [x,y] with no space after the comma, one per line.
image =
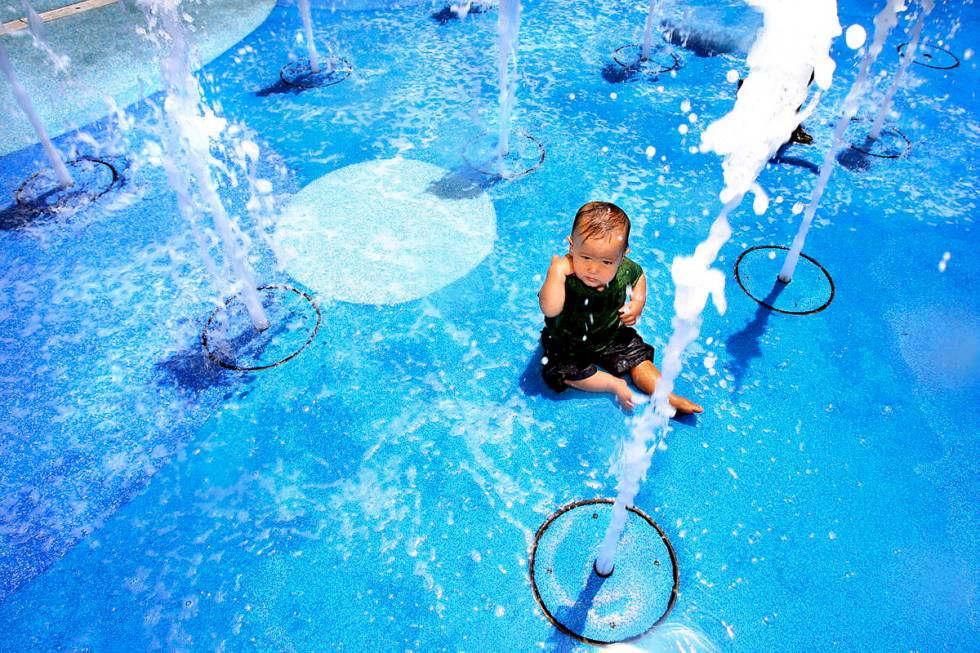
[596,260]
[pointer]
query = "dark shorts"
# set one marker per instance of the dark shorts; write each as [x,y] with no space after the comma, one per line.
[561,365]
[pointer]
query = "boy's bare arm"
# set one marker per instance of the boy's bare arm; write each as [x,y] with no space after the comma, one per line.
[631,313]
[551,297]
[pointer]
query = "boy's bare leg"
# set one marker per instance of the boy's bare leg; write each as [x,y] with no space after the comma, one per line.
[606,382]
[645,376]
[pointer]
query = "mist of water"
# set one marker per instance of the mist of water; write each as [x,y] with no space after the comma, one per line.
[24,102]
[192,126]
[908,54]
[304,11]
[884,21]
[508,27]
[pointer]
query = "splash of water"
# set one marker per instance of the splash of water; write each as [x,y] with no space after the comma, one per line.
[669,638]
[793,45]
[765,114]
[304,11]
[24,102]
[648,29]
[884,21]
[508,27]
[192,126]
[907,55]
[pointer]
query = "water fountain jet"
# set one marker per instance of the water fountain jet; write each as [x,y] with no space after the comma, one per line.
[884,21]
[648,29]
[508,28]
[499,157]
[636,58]
[306,14]
[765,113]
[908,54]
[312,73]
[191,126]
[24,102]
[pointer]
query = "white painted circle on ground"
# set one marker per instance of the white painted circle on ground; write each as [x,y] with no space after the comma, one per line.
[386,231]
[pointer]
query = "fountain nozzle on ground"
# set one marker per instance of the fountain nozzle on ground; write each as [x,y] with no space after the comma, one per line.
[608,607]
[601,574]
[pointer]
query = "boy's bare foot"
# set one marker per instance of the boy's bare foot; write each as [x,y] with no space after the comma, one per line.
[684,405]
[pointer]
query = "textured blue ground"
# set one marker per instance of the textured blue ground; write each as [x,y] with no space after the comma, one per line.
[381,491]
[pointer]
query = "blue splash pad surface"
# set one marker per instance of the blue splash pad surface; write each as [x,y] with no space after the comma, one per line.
[381,490]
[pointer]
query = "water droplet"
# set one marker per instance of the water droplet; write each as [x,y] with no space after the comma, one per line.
[855,36]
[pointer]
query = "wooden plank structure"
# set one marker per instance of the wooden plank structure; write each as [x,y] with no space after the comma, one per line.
[55,14]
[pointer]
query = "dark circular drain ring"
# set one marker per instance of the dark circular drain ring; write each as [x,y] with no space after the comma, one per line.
[298,74]
[493,173]
[926,55]
[633,66]
[91,197]
[554,620]
[238,368]
[869,152]
[741,285]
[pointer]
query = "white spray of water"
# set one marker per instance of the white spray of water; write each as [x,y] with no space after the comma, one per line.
[192,127]
[907,55]
[794,42]
[793,45]
[304,11]
[24,102]
[648,30]
[508,27]
[886,19]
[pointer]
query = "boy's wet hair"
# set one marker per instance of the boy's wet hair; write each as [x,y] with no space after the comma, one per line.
[599,220]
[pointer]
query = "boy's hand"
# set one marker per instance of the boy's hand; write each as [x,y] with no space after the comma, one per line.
[561,265]
[624,395]
[630,313]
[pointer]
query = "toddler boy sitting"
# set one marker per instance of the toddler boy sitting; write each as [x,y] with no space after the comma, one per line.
[588,320]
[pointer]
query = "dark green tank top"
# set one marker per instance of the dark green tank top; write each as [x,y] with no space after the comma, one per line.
[589,320]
